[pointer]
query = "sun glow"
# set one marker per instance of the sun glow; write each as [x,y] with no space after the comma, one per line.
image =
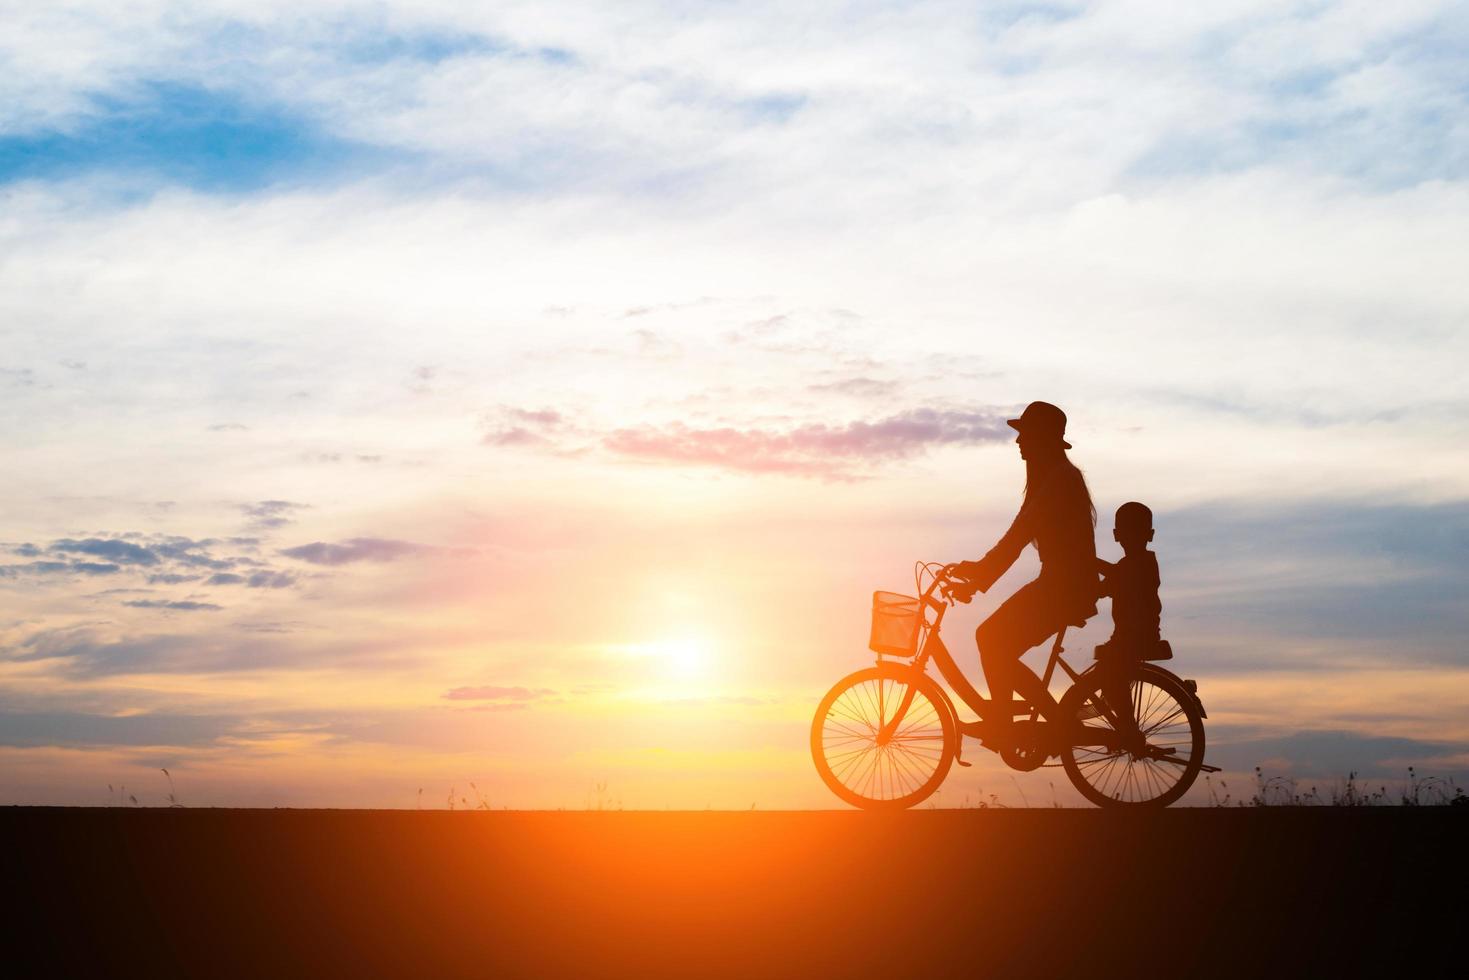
[685,658]
[681,658]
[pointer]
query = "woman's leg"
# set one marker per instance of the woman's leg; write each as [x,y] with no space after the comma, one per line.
[1022,621]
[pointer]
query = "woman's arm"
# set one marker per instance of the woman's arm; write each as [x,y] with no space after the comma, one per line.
[987,571]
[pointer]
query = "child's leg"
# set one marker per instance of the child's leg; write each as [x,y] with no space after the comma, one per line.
[1117,689]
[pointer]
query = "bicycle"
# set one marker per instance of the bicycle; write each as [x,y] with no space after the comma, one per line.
[885,737]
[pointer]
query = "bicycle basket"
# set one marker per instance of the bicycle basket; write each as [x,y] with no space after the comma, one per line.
[896,620]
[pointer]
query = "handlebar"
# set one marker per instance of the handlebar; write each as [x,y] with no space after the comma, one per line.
[949,588]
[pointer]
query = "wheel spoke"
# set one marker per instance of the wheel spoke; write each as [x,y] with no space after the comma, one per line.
[1139,773]
[907,761]
[846,729]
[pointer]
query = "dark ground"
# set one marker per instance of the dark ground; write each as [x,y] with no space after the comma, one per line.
[325,893]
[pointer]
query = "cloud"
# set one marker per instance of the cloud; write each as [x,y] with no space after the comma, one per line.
[858,387]
[93,567]
[332,458]
[517,435]
[811,449]
[183,605]
[114,550]
[267,579]
[422,379]
[831,450]
[1327,754]
[271,514]
[1028,103]
[357,550]
[38,568]
[273,626]
[263,579]
[524,427]
[58,567]
[87,651]
[154,552]
[194,554]
[498,694]
[171,578]
[75,728]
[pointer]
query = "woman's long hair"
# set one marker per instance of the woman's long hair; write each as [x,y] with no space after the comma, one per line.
[1038,470]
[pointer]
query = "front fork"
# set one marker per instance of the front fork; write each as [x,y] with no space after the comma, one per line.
[934,649]
[890,727]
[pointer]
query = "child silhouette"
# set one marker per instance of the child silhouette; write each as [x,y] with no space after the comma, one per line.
[1132,582]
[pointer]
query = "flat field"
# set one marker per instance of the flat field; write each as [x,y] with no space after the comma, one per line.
[326,893]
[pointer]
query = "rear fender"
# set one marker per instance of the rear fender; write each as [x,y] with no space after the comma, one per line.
[1161,673]
[1191,686]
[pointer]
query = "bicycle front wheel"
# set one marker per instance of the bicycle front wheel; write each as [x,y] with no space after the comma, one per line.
[1144,754]
[876,772]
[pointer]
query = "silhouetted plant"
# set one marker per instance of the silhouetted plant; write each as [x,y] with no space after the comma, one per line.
[1214,798]
[120,796]
[1023,801]
[172,799]
[993,803]
[599,799]
[1282,791]
[1351,794]
[1276,791]
[1431,791]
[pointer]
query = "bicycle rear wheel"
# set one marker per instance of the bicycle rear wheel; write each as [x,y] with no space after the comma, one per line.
[858,764]
[1150,763]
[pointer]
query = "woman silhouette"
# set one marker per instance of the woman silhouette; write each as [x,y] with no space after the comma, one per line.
[1058,517]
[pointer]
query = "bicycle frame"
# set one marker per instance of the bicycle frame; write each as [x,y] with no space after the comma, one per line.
[933,649]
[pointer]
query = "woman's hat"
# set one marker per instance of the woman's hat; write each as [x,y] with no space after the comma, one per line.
[1042,419]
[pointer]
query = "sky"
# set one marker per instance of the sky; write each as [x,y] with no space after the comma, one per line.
[409,404]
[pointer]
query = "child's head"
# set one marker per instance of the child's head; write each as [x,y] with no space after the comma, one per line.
[1134,526]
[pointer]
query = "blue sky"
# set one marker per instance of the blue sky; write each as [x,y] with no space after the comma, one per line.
[169,134]
[349,346]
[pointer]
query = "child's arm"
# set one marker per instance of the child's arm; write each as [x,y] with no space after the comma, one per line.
[1105,569]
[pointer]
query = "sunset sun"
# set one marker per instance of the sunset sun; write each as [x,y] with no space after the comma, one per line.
[686,658]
